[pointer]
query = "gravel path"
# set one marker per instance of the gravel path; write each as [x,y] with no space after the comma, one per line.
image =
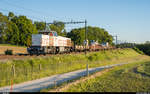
[37,85]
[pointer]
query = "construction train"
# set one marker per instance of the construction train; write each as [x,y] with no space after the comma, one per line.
[48,42]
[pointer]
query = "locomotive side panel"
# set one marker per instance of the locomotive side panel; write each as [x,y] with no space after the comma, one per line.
[40,40]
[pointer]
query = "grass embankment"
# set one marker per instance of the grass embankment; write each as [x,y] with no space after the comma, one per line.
[25,70]
[16,49]
[127,78]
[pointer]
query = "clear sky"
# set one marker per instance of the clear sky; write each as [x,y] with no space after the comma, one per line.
[129,19]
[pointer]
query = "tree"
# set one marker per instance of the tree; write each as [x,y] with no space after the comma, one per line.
[40,25]
[93,33]
[12,33]
[10,15]
[58,27]
[3,27]
[26,29]
[77,36]
[147,42]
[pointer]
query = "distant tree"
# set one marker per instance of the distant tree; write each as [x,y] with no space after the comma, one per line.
[64,33]
[93,33]
[40,25]
[58,27]
[144,47]
[147,42]
[11,15]
[77,36]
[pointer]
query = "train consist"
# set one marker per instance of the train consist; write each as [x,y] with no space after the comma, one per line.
[48,42]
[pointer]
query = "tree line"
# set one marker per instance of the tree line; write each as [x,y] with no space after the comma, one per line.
[145,47]
[17,30]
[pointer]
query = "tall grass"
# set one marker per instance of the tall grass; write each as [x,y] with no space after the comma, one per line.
[25,70]
[11,45]
[120,79]
[144,69]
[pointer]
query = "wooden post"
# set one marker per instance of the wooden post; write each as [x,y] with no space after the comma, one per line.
[26,73]
[32,73]
[11,86]
[40,67]
[13,69]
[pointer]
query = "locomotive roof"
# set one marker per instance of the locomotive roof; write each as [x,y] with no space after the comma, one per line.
[45,31]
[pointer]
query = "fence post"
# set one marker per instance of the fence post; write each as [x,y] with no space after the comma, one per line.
[13,69]
[32,73]
[26,73]
[40,66]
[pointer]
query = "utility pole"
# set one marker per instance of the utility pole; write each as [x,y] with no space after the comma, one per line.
[85,35]
[116,39]
[87,66]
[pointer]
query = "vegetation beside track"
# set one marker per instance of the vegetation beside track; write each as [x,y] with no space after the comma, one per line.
[16,49]
[127,78]
[35,68]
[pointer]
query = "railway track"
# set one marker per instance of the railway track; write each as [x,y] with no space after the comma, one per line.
[23,56]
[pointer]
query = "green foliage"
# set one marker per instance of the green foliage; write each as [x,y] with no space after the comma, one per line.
[9,52]
[136,49]
[40,25]
[59,27]
[16,29]
[144,47]
[126,45]
[77,36]
[29,69]
[120,79]
[144,69]
[94,33]
[26,29]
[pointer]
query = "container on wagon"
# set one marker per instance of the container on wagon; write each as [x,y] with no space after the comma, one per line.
[59,41]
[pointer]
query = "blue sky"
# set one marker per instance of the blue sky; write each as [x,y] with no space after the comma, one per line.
[129,19]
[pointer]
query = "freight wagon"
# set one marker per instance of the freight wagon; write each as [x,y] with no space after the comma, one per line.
[48,42]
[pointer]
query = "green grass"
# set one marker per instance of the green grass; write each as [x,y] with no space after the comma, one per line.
[144,69]
[120,79]
[12,45]
[35,68]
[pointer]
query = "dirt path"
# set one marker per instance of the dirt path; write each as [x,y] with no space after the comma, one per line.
[37,85]
[65,87]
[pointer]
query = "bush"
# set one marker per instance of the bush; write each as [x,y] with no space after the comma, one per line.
[137,50]
[9,52]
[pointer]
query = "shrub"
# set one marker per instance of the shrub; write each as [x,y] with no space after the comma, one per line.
[137,50]
[9,52]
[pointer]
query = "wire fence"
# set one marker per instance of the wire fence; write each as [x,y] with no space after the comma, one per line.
[21,73]
[13,75]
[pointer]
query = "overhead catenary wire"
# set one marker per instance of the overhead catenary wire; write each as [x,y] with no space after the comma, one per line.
[35,11]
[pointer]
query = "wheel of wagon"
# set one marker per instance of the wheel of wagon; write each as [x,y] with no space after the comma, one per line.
[57,50]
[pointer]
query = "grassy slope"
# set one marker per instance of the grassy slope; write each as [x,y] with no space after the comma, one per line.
[15,48]
[127,78]
[46,66]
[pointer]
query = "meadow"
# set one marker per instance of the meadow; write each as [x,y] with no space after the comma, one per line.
[30,69]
